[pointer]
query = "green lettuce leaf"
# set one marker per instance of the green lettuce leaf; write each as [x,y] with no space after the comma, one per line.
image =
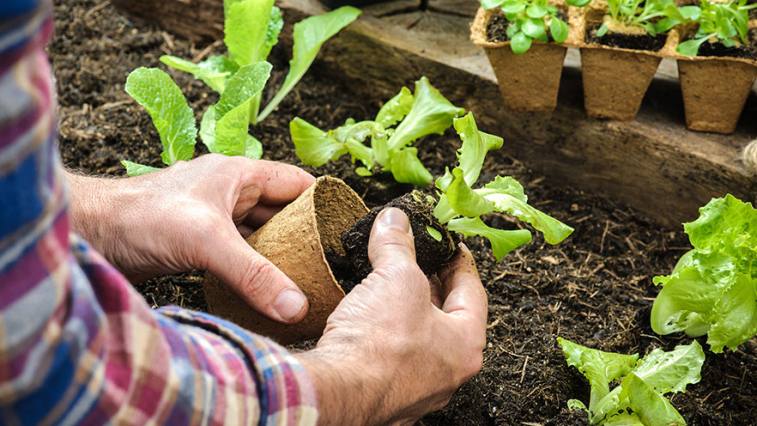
[600,368]
[313,146]
[476,144]
[463,200]
[169,110]
[502,241]
[231,131]
[136,169]
[246,30]
[406,167]
[213,71]
[309,36]
[647,404]
[245,84]
[395,109]
[431,113]
[659,372]
[713,288]
[508,197]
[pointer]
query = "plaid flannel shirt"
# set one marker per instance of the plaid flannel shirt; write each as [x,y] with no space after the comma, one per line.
[77,344]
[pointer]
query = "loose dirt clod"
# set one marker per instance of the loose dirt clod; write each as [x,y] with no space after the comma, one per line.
[430,254]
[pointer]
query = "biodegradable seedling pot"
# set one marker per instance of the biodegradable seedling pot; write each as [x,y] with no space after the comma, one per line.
[715,88]
[298,240]
[615,79]
[528,82]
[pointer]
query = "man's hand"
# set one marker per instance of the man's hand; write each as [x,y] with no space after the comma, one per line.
[194,215]
[397,347]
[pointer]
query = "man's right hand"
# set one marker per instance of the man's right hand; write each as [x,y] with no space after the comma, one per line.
[398,347]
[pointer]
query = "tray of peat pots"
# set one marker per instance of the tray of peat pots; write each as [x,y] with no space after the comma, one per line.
[623,43]
[523,41]
[320,241]
[717,63]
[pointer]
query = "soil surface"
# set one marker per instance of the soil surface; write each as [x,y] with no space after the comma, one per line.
[595,288]
[431,254]
[627,41]
[496,29]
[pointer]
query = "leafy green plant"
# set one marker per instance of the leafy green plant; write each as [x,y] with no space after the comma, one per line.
[726,23]
[713,288]
[404,119]
[654,16]
[530,20]
[251,28]
[639,398]
[460,207]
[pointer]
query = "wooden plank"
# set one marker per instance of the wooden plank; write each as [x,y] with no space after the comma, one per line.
[653,164]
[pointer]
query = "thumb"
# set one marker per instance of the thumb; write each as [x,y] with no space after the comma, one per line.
[391,243]
[256,280]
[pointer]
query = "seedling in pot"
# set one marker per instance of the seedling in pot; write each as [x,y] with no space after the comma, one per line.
[402,121]
[529,20]
[726,24]
[251,30]
[457,209]
[713,288]
[642,17]
[639,398]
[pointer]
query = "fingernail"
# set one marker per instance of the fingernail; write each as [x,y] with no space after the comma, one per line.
[394,218]
[289,303]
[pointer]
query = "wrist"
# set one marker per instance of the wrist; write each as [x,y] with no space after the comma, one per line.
[349,390]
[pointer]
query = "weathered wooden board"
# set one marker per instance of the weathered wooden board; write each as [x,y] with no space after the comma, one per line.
[653,164]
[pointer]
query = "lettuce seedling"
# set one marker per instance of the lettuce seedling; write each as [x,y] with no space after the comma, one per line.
[654,16]
[530,20]
[224,126]
[713,288]
[460,207]
[251,30]
[639,398]
[727,23]
[404,119]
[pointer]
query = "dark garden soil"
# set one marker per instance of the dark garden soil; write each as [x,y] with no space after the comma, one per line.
[431,254]
[595,288]
[627,41]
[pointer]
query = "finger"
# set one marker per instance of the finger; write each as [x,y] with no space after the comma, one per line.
[391,242]
[465,295]
[279,183]
[259,215]
[256,280]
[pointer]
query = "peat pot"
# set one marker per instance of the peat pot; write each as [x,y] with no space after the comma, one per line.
[296,240]
[528,82]
[615,79]
[714,92]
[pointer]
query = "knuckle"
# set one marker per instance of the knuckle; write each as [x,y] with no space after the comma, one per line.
[258,278]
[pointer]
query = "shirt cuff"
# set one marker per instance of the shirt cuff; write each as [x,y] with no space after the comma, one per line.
[284,387]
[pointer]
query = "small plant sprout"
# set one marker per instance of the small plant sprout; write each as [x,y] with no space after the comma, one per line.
[460,207]
[251,30]
[639,398]
[403,120]
[530,20]
[713,288]
[726,23]
[651,16]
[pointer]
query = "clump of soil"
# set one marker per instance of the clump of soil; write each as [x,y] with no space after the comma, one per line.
[626,41]
[431,254]
[595,288]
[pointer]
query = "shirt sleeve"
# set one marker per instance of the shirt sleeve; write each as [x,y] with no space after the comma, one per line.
[77,344]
